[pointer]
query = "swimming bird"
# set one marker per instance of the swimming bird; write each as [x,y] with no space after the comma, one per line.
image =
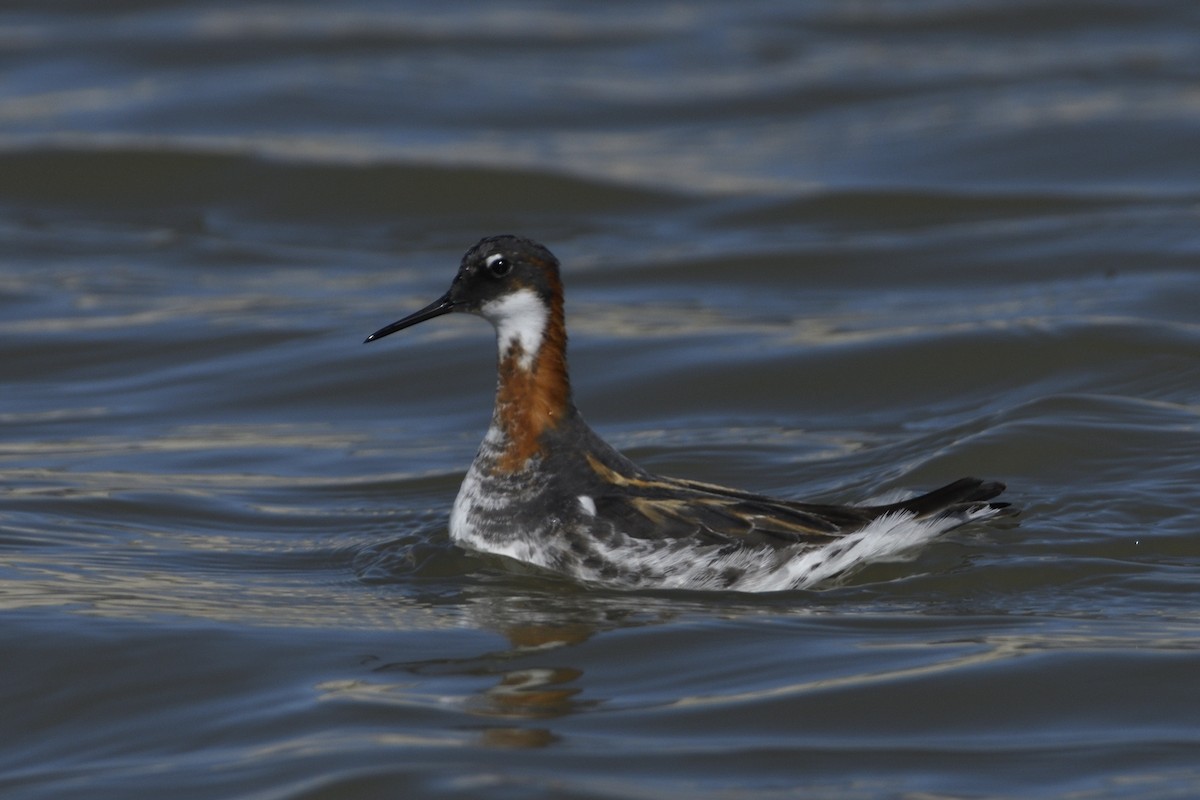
[545,489]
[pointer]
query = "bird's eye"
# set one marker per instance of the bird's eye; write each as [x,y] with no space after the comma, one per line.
[499,267]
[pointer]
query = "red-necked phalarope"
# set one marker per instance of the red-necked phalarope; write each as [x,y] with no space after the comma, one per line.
[546,490]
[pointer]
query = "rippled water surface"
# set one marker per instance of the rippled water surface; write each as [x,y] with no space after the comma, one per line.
[823,250]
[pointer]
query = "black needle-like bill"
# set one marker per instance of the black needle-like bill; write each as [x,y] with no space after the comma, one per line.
[443,305]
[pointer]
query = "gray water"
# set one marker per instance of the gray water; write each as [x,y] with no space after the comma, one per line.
[822,250]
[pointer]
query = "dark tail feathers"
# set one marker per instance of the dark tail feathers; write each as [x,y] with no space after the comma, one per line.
[964,495]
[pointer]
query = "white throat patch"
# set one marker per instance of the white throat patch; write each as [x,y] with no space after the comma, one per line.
[519,317]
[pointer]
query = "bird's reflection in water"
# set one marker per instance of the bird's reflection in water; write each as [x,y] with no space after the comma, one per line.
[524,685]
[527,681]
[541,692]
